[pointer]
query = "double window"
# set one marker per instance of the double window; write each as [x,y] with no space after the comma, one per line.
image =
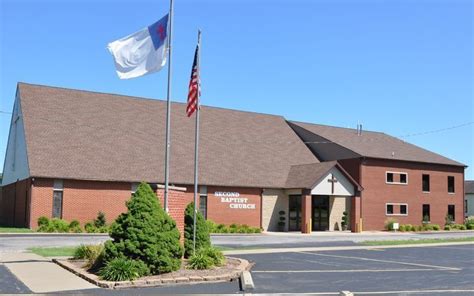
[396,178]
[396,209]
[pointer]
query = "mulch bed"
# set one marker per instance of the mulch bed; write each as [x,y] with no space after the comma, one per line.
[231,270]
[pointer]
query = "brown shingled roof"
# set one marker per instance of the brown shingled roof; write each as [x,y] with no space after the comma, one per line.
[375,144]
[95,136]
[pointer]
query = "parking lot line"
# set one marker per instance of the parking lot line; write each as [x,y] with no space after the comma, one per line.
[384,261]
[344,270]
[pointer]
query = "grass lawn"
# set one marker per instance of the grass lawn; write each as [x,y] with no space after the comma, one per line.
[14,230]
[417,241]
[53,252]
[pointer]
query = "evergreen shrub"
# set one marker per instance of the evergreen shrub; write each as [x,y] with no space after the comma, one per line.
[203,240]
[145,233]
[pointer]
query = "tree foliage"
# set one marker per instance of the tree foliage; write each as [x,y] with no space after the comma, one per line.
[145,233]
[203,239]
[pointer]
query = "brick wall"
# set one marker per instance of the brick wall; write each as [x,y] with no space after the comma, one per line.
[82,200]
[377,193]
[222,212]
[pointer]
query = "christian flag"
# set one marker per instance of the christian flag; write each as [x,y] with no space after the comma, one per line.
[194,86]
[142,52]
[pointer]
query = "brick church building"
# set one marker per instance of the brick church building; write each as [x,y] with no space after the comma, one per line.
[72,153]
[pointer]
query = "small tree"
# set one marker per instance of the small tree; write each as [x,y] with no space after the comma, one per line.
[203,239]
[100,221]
[145,233]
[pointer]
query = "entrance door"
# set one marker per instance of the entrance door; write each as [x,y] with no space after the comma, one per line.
[320,217]
[294,214]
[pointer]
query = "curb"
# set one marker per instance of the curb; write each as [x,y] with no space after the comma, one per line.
[53,234]
[244,265]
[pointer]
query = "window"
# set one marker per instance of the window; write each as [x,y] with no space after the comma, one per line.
[426,213]
[403,209]
[450,184]
[403,178]
[203,201]
[396,209]
[452,212]
[58,199]
[426,183]
[396,178]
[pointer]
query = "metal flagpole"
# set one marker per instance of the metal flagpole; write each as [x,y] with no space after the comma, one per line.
[196,139]
[168,111]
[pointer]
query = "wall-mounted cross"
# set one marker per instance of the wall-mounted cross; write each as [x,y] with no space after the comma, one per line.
[332,180]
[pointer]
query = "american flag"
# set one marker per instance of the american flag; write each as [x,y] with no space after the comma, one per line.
[194,86]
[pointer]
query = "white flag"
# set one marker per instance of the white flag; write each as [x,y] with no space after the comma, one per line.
[143,52]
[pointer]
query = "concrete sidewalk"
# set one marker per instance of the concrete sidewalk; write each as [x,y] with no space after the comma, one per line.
[41,275]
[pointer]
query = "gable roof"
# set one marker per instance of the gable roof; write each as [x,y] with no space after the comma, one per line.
[372,144]
[75,134]
[469,187]
[307,175]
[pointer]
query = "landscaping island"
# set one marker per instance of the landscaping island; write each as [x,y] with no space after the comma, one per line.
[147,250]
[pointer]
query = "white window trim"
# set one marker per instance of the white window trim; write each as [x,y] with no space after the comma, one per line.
[395,204]
[395,183]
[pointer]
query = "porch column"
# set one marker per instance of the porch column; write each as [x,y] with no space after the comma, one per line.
[355,213]
[306,211]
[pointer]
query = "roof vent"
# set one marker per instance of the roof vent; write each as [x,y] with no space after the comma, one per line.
[359,129]
[393,153]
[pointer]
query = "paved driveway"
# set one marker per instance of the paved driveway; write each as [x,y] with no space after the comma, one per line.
[401,271]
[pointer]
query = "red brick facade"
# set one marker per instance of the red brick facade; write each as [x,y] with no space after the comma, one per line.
[377,193]
[227,211]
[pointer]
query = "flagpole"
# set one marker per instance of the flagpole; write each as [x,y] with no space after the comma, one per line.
[168,111]
[196,139]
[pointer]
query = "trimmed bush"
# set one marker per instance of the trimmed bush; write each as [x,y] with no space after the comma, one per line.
[233,228]
[75,226]
[447,227]
[203,240]
[389,224]
[145,233]
[402,228]
[436,227]
[122,269]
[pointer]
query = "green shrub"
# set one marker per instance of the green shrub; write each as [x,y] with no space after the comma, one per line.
[203,240]
[211,226]
[75,226]
[58,225]
[122,269]
[43,221]
[100,221]
[402,228]
[200,260]
[436,227]
[146,233]
[215,254]
[389,224]
[470,226]
[91,228]
[92,253]
[408,227]
[462,227]
[413,228]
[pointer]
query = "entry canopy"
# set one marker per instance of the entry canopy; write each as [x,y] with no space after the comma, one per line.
[325,178]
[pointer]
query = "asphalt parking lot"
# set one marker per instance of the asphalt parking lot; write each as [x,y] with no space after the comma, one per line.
[401,271]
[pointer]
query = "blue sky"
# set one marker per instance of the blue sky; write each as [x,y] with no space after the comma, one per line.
[401,67]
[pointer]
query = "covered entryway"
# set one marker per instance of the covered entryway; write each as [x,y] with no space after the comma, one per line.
[329,197]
